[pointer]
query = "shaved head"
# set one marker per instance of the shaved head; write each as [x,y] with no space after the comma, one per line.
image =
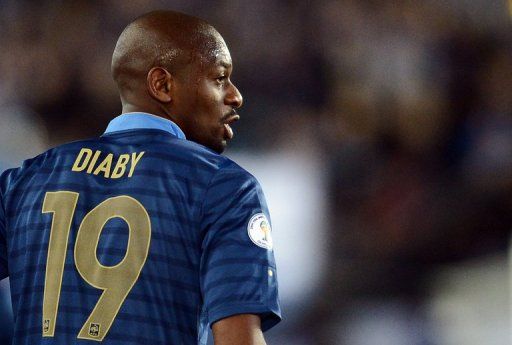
[178,67]
[162,39]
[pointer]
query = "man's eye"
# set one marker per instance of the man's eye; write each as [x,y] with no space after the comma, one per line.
[221,79]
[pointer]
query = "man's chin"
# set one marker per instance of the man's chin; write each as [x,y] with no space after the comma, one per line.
[218,147]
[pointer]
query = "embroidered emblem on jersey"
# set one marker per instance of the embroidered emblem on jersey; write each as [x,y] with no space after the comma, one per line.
[46,325]
[94,329]
[259,231]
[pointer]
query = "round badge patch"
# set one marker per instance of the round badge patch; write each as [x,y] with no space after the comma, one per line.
[259,231]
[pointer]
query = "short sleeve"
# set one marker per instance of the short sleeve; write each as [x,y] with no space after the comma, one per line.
[238,270]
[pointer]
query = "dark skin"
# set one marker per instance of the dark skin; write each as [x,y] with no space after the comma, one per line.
[158,70]
[178,67]
[244,329]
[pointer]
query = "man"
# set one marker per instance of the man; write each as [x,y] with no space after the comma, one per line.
[145,235]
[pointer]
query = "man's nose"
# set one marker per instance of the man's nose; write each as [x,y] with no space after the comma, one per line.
[234,97]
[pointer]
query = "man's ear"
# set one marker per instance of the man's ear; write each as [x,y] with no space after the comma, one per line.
[160,83]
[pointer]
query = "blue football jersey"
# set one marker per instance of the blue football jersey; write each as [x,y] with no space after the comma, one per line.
[136,237]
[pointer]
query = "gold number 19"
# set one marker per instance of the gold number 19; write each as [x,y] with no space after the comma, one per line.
[115,281]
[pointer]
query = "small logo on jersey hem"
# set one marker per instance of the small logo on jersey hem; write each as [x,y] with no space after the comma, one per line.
[46,325]
[94,329]
[259,231]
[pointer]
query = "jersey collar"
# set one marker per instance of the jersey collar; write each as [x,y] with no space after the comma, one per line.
[138,120]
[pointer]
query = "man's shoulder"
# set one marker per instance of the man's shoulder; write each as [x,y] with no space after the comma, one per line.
[9,176]
[59,149]
[223,170]
[202,155]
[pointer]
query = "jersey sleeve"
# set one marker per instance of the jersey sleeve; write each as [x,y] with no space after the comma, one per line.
[238,270]
[3,247]
[3,233]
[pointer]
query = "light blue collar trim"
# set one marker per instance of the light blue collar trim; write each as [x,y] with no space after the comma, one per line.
[138,120]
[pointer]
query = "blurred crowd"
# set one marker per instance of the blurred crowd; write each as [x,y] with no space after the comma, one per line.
[403,107]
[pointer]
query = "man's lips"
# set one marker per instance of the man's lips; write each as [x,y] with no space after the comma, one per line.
[228,131]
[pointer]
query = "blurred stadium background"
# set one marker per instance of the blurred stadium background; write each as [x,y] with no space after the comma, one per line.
[380,130]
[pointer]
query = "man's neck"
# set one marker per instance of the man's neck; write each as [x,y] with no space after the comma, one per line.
[131,108]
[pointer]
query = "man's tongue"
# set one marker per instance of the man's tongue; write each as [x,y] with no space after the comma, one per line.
[228,132]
